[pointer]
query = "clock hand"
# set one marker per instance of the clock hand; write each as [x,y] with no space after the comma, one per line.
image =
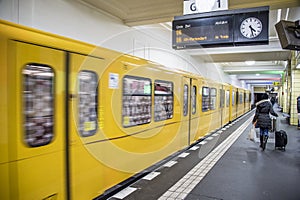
[252,29]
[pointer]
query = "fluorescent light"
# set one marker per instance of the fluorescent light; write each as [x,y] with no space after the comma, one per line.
[250,62]
[278,15]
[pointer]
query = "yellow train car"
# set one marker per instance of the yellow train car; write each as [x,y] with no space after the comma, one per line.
[77,119]
[35,145]
[210,109]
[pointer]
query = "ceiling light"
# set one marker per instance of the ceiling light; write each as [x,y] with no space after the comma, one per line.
[250,62]
[298,66]
[278,15]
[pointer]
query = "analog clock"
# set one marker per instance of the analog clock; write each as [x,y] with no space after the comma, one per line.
[251,27]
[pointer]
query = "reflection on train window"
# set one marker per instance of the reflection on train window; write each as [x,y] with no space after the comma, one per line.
[185,99]
[205,98]
[38,99]
[241,98]
[136,101]
[222,98]
[249,97]
[233,98]
[213,98]
[227,98]
[87,103]
[194,99]
[163,100]
[246,98]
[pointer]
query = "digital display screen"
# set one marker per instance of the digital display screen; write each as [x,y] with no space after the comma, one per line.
[248,26]
[202,31]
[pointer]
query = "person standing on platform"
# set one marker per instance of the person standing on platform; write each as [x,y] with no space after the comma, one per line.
[262,118]
[298,111]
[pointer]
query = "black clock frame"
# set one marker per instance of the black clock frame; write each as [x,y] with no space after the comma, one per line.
[218,28]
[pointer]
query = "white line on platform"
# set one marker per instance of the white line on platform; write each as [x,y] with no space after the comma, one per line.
[183,155]
[170,163]
[194,148]
[151,176]
[124,193]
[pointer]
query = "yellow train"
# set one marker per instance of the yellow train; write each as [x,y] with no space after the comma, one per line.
[77,119]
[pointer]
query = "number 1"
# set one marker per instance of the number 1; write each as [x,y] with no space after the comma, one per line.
[219,3]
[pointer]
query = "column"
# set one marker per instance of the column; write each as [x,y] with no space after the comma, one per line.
[295,89]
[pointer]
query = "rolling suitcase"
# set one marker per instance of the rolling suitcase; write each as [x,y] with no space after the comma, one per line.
[280,139]
[274,124]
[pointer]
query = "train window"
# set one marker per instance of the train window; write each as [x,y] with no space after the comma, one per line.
[205,99]
[237,98]
[227,98]
[136,101]
[213,98]
[38,99]
[194,99]
[185,99]
[222,98]
[246,96]
[241,98]
[87,103]
[163,100]
[233,98]
[250,97]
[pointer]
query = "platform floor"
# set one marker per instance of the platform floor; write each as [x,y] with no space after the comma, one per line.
[228,166]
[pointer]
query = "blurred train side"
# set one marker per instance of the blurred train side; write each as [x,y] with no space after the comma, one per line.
[77,119]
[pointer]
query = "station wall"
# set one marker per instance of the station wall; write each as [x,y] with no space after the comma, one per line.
[79,21]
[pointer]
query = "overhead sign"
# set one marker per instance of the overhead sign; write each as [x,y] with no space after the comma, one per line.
[221,28]
[200,6]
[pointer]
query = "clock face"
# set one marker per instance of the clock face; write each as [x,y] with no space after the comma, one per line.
[251,27]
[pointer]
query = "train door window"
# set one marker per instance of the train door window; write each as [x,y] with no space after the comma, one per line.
[250,97]
[185,99]
[163,100]
[227,98]
[237,98]
[87,103]
[233,98]
[194,99]
[38,101]
[222,98]
[246,96]
[213,98]
[241,98]
[205,98]
[136,109]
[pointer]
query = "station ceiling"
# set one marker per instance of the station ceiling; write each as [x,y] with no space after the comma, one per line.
[270,60]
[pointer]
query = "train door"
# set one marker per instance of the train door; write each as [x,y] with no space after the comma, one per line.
[186,108]
[232,106]
[226,106]
[37,122]
[222,105]
[86,171]
[194,111]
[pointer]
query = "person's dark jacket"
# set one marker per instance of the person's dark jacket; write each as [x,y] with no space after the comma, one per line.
[263,108]
[298,104]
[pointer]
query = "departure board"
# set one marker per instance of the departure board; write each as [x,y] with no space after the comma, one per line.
[249,26]
[205,31]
